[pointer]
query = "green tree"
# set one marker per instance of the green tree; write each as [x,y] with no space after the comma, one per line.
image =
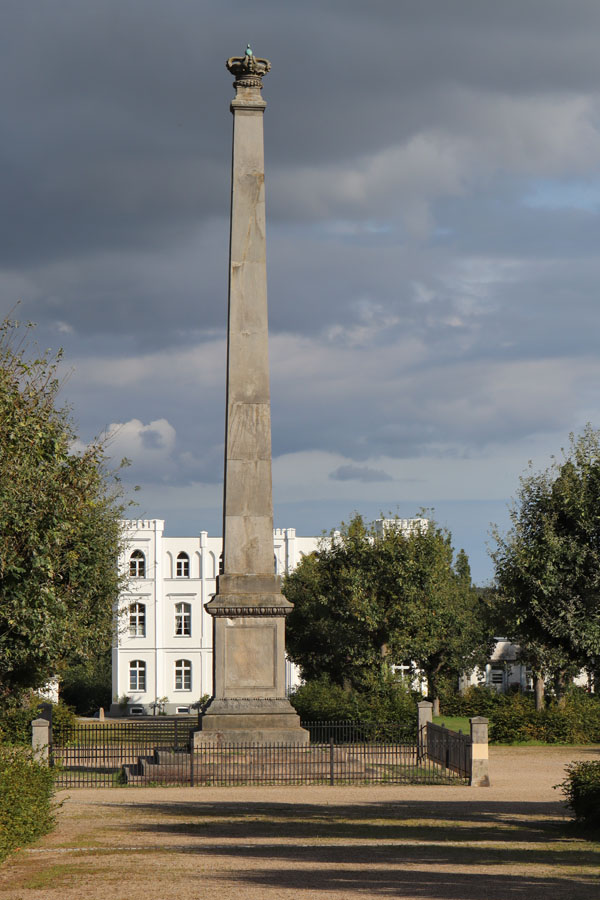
[87,686]
[370,599]
[548,565]
[59,527]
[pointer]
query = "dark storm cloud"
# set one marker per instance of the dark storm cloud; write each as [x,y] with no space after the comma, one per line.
[117,137]
[359,473]
[432,267]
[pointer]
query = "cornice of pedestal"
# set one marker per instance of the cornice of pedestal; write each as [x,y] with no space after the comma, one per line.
[232,606]
[248,595]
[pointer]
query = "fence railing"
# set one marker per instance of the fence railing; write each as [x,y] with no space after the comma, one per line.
[155,752]
[449,749]
[172,732]
[350,731]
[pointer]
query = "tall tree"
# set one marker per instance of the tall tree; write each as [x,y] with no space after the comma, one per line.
[60,532]
[548,565]
[370,599]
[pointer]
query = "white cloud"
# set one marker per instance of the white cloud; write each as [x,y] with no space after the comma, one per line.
[488,135]
[191,369]
[149,445]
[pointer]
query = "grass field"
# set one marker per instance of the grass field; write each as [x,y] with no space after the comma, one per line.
[455,723]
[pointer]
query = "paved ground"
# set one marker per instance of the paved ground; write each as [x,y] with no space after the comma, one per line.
[512,840]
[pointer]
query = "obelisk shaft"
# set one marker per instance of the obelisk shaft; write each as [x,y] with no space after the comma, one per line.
[249,610]
[248,504]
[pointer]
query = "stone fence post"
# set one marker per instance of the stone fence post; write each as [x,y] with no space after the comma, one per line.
[40,738]
[424,715]
[480,772]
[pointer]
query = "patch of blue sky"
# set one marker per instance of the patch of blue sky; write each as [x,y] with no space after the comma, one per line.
[583,194]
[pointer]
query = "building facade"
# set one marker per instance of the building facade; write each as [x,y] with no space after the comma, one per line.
[163,653]
[162,657]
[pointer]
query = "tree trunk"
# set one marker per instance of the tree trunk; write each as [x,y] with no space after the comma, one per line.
[561,689]
[436,706]
[538,681]
[384,653]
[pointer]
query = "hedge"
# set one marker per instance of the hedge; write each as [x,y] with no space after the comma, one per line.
[513,717]
[26,808]
[582,790]
[15,721]
[321,700]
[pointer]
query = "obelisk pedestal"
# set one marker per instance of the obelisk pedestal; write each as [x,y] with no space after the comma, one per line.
[249,703]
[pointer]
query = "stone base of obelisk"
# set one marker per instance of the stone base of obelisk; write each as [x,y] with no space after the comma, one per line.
[249,704]
[251,722]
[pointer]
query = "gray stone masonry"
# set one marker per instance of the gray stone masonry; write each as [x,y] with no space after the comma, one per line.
[424,715]
[480,771]
[249,610]
[40,738]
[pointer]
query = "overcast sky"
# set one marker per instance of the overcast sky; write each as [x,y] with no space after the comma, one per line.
[433,197]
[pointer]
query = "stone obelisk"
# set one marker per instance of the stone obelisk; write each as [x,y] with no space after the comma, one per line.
[249,702]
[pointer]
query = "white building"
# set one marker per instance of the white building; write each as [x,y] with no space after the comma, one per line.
[162,660]
[505,671]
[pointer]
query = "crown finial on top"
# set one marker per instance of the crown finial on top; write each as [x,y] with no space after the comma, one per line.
[248,69]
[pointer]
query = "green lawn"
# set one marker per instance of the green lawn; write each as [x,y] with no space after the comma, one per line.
[454,723]
[462,723]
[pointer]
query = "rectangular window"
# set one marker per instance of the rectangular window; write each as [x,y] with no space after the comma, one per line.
[183,675]
[183,565]
[183,620]
[137,675]
[137,620]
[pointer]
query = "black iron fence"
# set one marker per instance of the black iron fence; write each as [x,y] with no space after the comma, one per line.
[450,750]
[94,754]
[349,731]
[162,752]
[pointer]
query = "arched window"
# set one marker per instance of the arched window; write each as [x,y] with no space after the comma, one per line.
[183,675]
[183,565]
[137,675]
[183,619]
[137,564]
[137,620]
[221,566]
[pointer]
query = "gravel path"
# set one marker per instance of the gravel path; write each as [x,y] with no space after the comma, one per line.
[512,840]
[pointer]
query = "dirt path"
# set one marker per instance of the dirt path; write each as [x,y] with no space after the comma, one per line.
[512,840]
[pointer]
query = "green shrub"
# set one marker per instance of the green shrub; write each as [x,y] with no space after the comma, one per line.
[584,708]
[384,701]
[320,700]
[87,686]
[15,721]
[26,809]
[514,719]
[475,701]
[513,722]
[561,725]
[63,718]
[581,787]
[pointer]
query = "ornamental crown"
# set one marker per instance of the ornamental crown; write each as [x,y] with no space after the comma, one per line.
[248,69]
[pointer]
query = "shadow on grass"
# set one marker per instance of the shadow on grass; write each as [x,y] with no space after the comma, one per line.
[344,848]
[416,883]
[454,821]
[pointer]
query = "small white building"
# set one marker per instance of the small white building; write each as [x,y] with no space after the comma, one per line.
[162,658]
[505,671]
